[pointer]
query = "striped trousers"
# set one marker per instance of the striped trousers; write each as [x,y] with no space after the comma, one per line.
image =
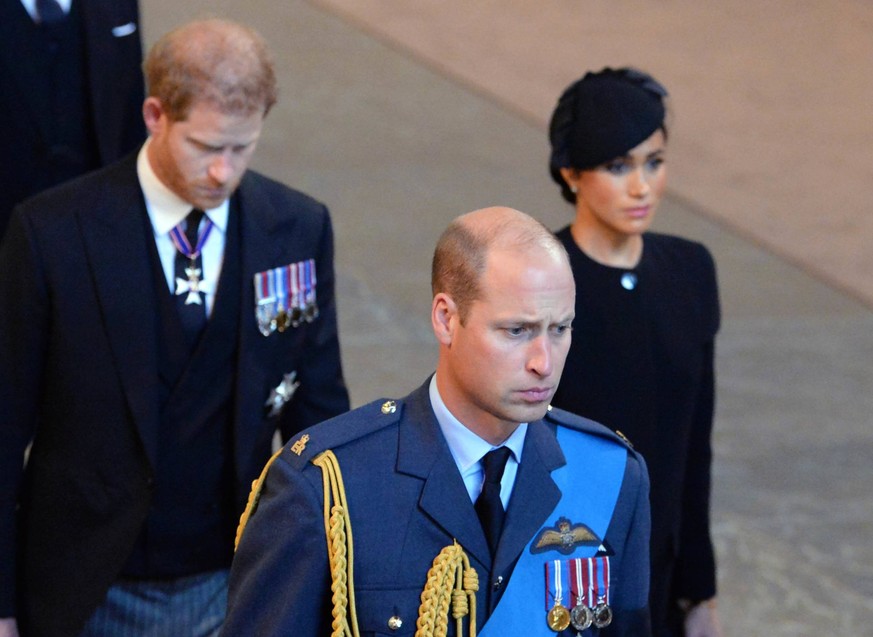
[189,606]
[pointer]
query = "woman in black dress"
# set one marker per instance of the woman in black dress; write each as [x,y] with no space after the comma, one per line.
[647,313]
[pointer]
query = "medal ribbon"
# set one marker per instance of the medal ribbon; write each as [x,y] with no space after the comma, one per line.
[580,588]
[554,583]
[294,280]
[281,287]
[177,236]
[310,282]
[601,570]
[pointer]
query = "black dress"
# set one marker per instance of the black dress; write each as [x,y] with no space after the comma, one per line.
[641,362]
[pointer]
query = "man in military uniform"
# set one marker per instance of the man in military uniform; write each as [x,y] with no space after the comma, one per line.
[550,510]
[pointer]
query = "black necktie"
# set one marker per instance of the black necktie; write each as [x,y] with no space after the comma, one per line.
[49,11]
[488,506]
[193,315]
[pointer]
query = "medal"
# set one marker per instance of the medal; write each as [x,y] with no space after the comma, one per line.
[558,616]
[282,393]
[602,611]
[194,286]
[581,616]
[285,297]
[602,615]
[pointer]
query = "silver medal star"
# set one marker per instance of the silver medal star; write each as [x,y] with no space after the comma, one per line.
[282,393]
[192,287]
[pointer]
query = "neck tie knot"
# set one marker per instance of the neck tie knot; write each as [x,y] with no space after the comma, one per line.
[49,11]
[494,463]
[192,224]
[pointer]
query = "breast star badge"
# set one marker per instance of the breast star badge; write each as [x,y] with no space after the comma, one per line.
[282,393]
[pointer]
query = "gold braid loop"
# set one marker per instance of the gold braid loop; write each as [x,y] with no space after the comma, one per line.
[338,527]
[450,578]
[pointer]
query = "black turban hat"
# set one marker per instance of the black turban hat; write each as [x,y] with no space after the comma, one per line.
[603,116]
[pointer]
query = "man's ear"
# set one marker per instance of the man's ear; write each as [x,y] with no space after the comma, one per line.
[153,115]
[444,317]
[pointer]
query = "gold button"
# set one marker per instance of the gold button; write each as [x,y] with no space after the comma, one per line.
[395,622]
[389,407]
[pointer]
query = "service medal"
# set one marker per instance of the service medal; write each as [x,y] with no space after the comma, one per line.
[581,617]
[558,618]
[285,296]
[602,615]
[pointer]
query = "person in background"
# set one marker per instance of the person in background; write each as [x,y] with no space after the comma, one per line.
[550,509]
[160,320]
[647,313]
[72,91]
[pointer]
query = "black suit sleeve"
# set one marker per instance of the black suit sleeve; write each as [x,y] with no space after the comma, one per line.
[23,328]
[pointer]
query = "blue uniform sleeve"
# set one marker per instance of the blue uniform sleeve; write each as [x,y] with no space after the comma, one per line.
[279,581]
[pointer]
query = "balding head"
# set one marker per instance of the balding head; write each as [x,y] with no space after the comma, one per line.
[462,250]
[218,62]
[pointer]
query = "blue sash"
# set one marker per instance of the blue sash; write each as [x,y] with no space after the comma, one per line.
[589,484]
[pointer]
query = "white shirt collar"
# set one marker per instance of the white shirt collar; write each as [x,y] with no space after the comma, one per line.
[467,448]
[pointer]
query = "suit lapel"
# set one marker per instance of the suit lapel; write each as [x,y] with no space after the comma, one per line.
[534,496]
[424,453]
[115,235]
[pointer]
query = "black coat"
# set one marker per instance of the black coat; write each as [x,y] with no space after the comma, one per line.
[641,362]
[78,375]
[112,86]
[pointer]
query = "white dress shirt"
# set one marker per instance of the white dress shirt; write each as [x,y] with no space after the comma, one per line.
[468,449]
[166,210]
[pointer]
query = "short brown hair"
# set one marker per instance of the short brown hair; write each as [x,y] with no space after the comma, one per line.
[462,250]
[216,61]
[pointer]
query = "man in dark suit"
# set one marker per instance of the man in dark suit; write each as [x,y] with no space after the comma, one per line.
[160,320]
[550,510]
[72,91]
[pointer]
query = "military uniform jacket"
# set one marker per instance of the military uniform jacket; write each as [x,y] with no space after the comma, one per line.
[407,501]
[78,376]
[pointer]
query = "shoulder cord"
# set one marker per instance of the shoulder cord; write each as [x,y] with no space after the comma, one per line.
[338,527]
[254,496]
[450,576]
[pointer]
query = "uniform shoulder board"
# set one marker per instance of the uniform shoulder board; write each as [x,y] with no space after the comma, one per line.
[572,421]
[340,430]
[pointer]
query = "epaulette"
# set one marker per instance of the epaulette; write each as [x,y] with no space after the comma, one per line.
[330,434]
[586,425]
[340,430]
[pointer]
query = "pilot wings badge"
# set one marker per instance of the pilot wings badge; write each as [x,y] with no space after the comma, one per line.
[564,537]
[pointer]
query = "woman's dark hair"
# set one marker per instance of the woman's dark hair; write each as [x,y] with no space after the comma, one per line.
[601,117]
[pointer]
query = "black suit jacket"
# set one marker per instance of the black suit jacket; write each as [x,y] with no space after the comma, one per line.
[78,374]
[114,91]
